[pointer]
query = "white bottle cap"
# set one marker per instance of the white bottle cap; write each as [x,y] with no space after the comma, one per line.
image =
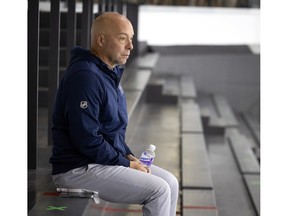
[152,147]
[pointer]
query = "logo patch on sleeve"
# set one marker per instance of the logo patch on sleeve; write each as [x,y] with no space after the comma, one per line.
[83,104]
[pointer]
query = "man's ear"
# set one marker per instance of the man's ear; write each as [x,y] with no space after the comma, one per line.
[100,40]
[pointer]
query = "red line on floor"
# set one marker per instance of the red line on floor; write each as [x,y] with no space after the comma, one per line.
[201,207]
[108,209]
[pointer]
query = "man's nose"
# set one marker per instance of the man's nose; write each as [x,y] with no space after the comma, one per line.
[130,45]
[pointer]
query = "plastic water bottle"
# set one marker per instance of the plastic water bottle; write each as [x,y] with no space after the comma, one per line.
[148,156]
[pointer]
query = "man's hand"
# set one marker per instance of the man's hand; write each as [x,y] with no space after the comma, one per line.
[136,164]
[139,166]
[132,158]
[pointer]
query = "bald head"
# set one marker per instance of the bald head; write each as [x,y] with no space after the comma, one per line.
[107,23]
[111,38]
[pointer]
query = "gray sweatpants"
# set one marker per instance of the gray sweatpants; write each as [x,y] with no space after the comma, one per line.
[157,192]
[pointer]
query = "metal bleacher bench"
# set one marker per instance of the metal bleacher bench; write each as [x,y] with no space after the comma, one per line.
[225,111]
[216,113]
[253,126]
[187,87]
[195,167]
[198,196]
[247,164]
[147,61]
[190,117]
[243,153]
[50,203]
[199,202]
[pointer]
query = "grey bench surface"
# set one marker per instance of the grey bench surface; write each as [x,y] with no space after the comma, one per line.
[252,183]
[171,86]
[199,203]
[134,85]
[253,125]
[190,117]
[225,111]
[147,61]
[132,98]
[162,90]
[187,87]
[137,79]
[213,123]
[194,161]
[206,104]
[243,153]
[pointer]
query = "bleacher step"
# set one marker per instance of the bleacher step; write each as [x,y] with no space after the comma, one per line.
[225,111]
[243,153]
[171,86]
[187,87]
[190,117]
[147,61]
[199,203]
[253,125]
[252,183]
[194,162]
[132,98]
[137,79]
[217,114]
[158,92]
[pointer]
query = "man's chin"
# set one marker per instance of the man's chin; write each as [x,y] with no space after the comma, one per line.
[123,62]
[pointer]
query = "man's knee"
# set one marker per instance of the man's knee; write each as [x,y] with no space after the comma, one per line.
[174,182]
[164,189]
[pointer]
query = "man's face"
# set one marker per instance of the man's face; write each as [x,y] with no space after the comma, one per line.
[118,44]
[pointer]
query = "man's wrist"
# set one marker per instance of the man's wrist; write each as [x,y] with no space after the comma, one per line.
[130,157]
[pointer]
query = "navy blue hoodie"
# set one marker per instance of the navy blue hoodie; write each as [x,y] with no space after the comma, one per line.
[90,115]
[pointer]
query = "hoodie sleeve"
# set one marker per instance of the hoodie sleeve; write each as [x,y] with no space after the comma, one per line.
[128,151]
[82,100]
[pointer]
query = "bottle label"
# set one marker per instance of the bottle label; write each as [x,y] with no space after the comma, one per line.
[146,161]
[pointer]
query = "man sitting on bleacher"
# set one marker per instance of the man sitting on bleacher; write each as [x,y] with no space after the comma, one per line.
[89,125]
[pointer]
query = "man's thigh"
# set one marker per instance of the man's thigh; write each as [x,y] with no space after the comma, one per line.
[113,183]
